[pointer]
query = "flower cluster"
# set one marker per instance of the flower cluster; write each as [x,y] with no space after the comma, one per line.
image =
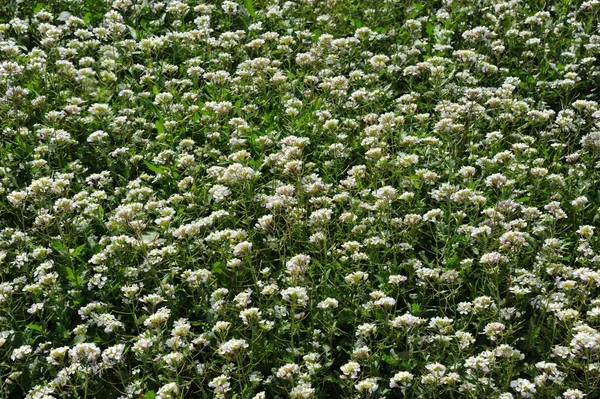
[299,199]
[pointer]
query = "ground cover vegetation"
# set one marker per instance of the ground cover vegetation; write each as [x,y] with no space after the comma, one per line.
[299,199]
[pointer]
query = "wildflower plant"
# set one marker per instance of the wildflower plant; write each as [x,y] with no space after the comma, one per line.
[299,199]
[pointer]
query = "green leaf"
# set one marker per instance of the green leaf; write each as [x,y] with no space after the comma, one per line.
[58,245]
[316,34]
[91,243]
[217,268]
[250,8]
[132,31]
[154,168]
[71,275]
[35,327]
[150,395]
[416,308]
[149,236]
[452,259]
[429,28]
[356,22]
[160,127]
[78,250]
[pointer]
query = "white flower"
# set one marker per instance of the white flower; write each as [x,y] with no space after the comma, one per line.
[21,352]
[574,394]
[295,296]
[84,352]
[297,265]
[406,320]
[220,384]
[328,303]
[98,136]
[492,258]
[302,391]
[402,379]
[361,351]
[366,329]
[250,314]
[232,346]
[397,279]
[367,385]
[356,277]
[158,319]
[168,391]
[287,371]
[496,180]
[230,7]
[219,192]
[113,355]
[523,387]
[243,248]
[351,370]
[494,330]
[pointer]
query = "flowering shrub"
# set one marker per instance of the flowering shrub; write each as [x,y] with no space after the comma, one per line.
[299,199]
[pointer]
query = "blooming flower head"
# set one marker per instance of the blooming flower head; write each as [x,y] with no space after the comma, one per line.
[296,296]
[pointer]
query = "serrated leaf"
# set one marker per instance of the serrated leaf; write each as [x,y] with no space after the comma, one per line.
[429,28]
[58,245]
[71,275]
[78,250]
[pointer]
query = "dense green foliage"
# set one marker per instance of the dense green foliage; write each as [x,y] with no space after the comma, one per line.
[303,199]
